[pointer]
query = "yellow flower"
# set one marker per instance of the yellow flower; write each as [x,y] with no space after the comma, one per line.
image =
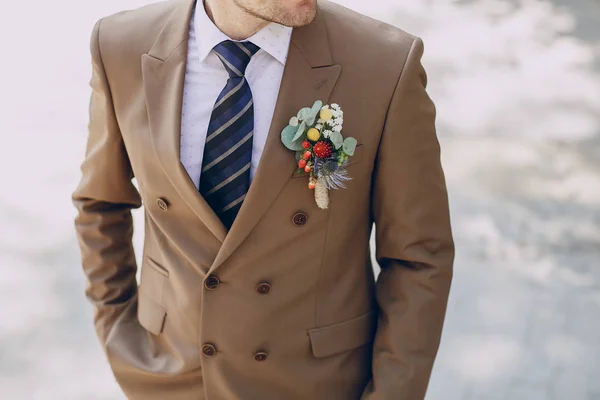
[313,134]
[326,114]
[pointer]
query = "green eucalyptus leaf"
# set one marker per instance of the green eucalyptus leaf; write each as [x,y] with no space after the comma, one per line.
[287,137]
[349,145]
[296,145]
[303,113]
[337,139]
[301,131]
[314,112]
[316,107]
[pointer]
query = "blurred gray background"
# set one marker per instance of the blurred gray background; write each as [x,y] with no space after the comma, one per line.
[517,85]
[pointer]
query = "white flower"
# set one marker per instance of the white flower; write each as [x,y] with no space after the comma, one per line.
[327,132]
[337,128]
[318,126]
[335,106]
[325,107]
[337,121]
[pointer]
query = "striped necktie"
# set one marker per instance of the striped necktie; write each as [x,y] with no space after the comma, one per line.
[225,176]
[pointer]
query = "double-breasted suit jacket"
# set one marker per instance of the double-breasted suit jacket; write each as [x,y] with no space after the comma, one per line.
[284,305]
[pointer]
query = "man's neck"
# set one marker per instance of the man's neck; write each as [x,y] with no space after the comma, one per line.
[232,20]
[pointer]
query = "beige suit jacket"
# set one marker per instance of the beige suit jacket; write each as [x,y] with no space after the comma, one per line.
[284,305]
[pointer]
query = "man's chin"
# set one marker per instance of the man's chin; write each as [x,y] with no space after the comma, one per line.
[297,16]
[301,16]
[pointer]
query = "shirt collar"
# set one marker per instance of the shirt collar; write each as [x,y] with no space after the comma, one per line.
[273,38]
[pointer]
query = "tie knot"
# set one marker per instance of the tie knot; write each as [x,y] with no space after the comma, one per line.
[235,56]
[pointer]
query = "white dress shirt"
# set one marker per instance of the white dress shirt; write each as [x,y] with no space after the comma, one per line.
[205,78]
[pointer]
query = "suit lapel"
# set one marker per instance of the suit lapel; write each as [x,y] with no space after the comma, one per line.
[309,75]
[163,70]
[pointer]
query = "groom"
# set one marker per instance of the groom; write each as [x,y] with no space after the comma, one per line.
[248,289]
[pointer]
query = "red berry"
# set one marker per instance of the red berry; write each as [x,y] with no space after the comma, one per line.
[301,163]
[307,168]
[307,155]
[306,144]
[323,149]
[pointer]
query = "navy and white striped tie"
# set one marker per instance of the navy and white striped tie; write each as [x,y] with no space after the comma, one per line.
[225,176]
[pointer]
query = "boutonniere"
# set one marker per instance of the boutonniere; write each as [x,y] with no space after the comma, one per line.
[315,134]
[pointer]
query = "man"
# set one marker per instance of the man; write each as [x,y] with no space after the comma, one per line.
[249,290]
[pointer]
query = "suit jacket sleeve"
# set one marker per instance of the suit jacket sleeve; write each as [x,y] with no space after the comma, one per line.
[414,245]
[104,199]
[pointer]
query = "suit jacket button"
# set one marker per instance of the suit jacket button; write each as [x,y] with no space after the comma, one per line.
[263,288]
[299,218]
[260,356]
[212,282]
[162,204]
[209,350]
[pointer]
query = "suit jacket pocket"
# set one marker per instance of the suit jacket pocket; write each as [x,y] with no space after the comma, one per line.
[151,315]
[332,339]
[151,312]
